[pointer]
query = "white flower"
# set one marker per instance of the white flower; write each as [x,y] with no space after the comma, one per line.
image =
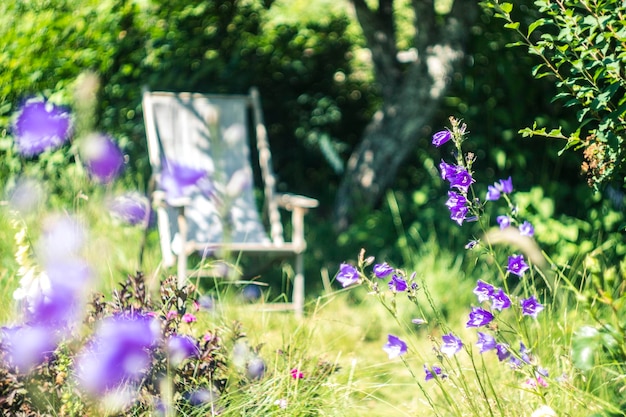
[544,411]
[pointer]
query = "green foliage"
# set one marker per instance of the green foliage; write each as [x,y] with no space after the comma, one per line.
[581,46]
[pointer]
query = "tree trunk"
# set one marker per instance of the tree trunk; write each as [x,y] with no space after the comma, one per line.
[410,96]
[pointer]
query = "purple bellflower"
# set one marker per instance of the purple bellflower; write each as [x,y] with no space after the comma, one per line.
[394,347]
[397,284]
[526,229]
[447,171]
[451,344]
[119,353]
[180,347]
[41,125]
[493,193]
[462,180]
[485,342]
[531,306]
[483,291]
[503,221]
[180,181]
[382,270]
[347,275]
[103,158]
[441,137]
[506,185]
[517,265]
[499,300]
[24,347]
[433,373]
[131,208]
[502,350]
[479,317]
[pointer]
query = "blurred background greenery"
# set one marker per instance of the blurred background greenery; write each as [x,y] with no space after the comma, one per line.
[309,61]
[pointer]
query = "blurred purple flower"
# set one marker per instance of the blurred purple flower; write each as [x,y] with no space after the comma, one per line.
[251,293]
[506,185]
[180,347]
[132,208]
[435,372]
[503,221]
[179,181]
[103,158]
[397,284]
[502,350]
[347,275]
[441,137]
[451,344]
[119,353]
[382,270]
[41,125]
[517,265]
[395,346]
[499,300]
[531,307]
[256,368]
[483,291]
[485,342]
[479,317]
[457,203]
[418,321]
[526,229]
[493,193]
[27,195]
[24,347]
[201,397]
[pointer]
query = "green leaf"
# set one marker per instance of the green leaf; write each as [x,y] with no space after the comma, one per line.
[506,7]
[534,25]
[586,345]
[512,25]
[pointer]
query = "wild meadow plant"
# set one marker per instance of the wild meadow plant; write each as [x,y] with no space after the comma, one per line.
[71,350]
[517,354]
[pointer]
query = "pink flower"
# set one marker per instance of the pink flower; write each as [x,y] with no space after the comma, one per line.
[189,318]
[296,374]
[171,314]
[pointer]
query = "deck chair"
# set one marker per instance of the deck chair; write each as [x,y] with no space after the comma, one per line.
[213,132]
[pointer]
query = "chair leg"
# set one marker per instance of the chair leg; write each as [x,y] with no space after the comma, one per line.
[298,287]
[182,256]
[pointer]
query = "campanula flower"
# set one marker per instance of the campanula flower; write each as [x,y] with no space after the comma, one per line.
[483,291]
[24,347]
[132,208]
[382,270]
[485,342]
[119,353]
[433,373]
[395,346]
[451,344]
[179,181]
[347,275]
[479,317]
[499,300]
[526,229]
[441,137]
[447,171]
[41,125]
[180,347]
[397,284]
[493,193]
[517,265]
[102,156]
[531,307]
[503,221]
[462,180]
[506,185]
[502,350]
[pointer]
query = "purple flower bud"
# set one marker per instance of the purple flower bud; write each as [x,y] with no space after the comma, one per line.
[382,270]
[441,137]
[435,372]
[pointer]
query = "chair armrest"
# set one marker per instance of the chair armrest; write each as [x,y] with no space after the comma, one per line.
[292,201]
